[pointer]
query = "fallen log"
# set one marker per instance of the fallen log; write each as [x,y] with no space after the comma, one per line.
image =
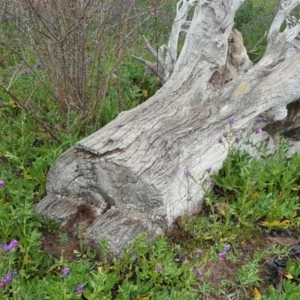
[128,177]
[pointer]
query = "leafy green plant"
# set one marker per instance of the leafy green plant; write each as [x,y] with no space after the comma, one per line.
[248,274]
[289,290]
[63,238]
[258,189]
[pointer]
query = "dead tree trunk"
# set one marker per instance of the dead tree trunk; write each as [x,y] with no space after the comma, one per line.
[128,177]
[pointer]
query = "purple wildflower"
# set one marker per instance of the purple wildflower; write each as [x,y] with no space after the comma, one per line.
[2,284]
[198,273]
[257,130]
[209,169]
[13,273]
[198,252]
[65,272]
[186,173]
[159,268]
[6,278]
[237,139]
[2,183]
[12,245]
[220,140]
[28,72]
[56,127]
[225,134]
[246,128]
[260,119]
[235,130]
[230,121]
[222,256]
[207,180]
[227,247]
[79,288]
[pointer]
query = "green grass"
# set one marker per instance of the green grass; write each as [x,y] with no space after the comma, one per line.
[269,3]
[241,213]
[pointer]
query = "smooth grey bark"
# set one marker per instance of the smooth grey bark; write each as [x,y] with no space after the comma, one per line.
[130,173]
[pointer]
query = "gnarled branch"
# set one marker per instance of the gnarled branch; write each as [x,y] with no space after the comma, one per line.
[165,60]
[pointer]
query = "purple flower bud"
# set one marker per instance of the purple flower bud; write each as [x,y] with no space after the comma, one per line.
[12,245]
[237,139]
[65,271]
[13,273]
[220,140]
[198,273]
[79,288]
[6,278]
[225,134]
[209,169]
[159,268]
[230,121]
[246,128]
[2,285]
[2,183]
[257,130]
[260,119]
[186,173]
[28,72]
[207,180]
[198,252]
[56,127]
[227,247]
[222,255]
[235,130]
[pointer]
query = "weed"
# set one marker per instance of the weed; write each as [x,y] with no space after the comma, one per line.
[63,238]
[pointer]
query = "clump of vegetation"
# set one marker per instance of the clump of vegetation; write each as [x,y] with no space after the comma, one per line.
[65,73]
[254,19]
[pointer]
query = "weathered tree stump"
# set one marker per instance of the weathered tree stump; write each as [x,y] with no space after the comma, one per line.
[128,176]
